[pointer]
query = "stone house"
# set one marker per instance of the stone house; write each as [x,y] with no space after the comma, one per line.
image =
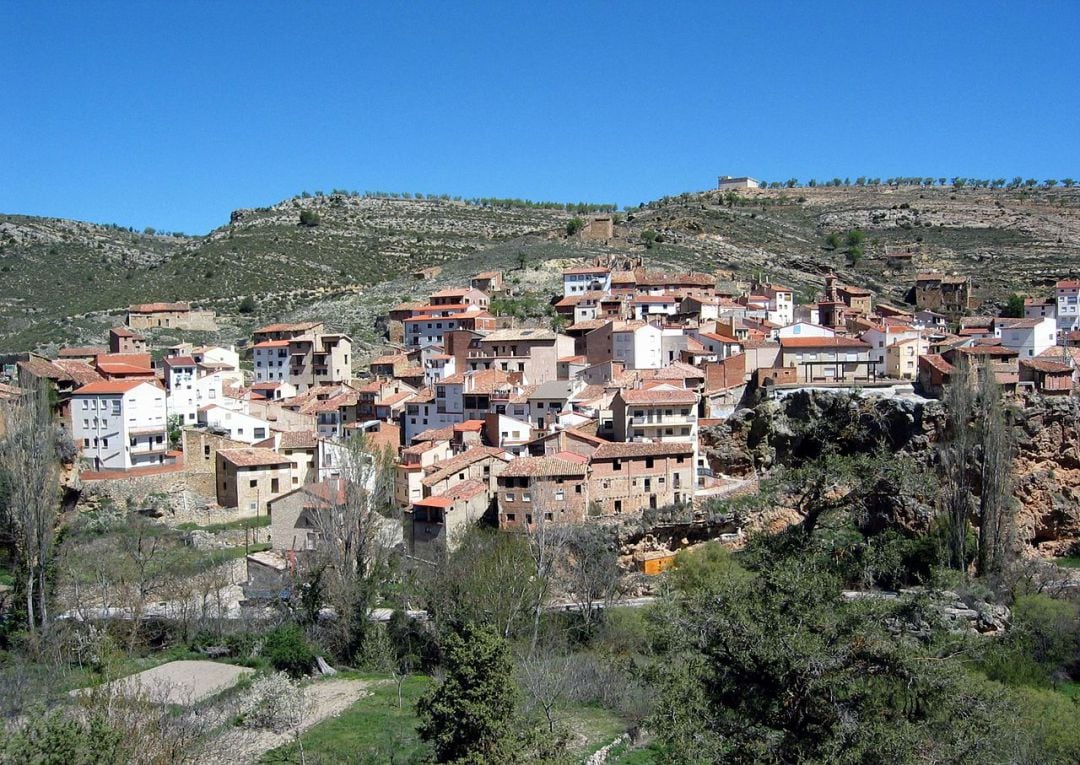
[627,478]
[248,479]
[534,490]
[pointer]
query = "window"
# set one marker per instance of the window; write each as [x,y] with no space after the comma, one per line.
[85,404]
[86,443]
[253,483]
[528,518]
[547,516]
[274,485]
[616,465]
[526,497]
[649,462]
[511,517]
[86,424]
[509,497]
[205,450]
[105,443]
[560,495]
[577,489]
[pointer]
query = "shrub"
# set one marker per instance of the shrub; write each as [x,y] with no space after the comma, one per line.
[288,651]
[309,217]
[574,225]
[247,305]
[275,702]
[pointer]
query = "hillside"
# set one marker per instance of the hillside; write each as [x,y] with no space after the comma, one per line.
[62,279]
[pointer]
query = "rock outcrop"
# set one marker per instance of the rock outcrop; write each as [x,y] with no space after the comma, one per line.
[796,427]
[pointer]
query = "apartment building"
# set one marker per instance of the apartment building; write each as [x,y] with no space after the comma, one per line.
[663,413]
[120,424]
[1068,309]
[533,352]
[828,359]
[577,281]
[190,386]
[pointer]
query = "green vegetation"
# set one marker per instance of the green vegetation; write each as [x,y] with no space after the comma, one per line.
[574,225]
[1014,307]
[374,729]
[287,649]
[253,522]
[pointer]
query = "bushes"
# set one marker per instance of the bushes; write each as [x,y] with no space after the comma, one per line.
[288,651]
[309,218]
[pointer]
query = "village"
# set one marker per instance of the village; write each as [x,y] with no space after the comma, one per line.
[592,418]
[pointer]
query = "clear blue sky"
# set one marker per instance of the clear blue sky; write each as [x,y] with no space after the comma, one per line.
[171,114]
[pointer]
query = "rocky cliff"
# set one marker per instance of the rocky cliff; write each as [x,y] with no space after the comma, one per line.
[789,430]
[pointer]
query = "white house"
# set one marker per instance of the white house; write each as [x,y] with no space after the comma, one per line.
[781,303]
[1029,337]
[236,425]
[120,424]
[805,329]
[577,281]
[271,361]
[189,386]
[881,338]
[1068,312]
[638,346]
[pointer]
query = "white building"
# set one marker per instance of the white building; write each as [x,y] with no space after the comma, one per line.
[781,306]
[881,338]
[271,361]
[638,346]
[120,424]
[190,386]
[1068,312]
[727,183]
[1029,337]
[236,425]
[577,281]
[805,329]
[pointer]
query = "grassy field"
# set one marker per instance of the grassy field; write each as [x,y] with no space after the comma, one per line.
[373,729]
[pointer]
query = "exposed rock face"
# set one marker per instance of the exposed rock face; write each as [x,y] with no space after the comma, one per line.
[789,430]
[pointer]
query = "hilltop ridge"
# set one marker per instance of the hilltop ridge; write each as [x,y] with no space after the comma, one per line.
[62,279]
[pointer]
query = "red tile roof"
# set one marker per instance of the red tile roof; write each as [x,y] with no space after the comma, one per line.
[253,457]
[821,342]
[635,449]
[110,387]
[159,307]
[542,467]
[659,396]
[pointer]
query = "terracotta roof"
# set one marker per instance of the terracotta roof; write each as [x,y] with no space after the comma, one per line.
[488,275]
[1046,365]
[482,381]
[392,358]
[81,351]
[395,398]
[272,344]
[677,370]
[718,338]
[588,325]
[423,396]
[463,460]
[542,467]
[469,426]
[465,490]
[937,362]
[79,371]
[110,387]
[123,332]
[436,501]
[298,439]
[1068,284]
[635,449]
[986,350]
[434,434]
[253,457]
[43,368]
[572,359]
[659,396]
[179,361]
[821,342]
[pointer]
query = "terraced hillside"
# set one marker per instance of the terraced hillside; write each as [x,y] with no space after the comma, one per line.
[59,280]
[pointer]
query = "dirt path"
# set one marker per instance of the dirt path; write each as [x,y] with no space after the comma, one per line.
[325,699]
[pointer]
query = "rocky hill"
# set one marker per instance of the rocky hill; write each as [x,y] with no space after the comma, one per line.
[1046,482]
[66,281]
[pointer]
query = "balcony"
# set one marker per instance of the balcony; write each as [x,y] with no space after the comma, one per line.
[661,421]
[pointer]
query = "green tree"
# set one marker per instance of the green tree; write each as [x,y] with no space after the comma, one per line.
[1014,307]
[574,225]
[309,218]
[855,237]
[1068,182]
[833,240]
[247,305]
[777,667]
[470,716]
[288,651]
